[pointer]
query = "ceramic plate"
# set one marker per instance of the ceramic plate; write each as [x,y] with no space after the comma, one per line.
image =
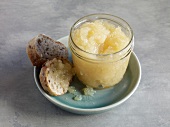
[103,100]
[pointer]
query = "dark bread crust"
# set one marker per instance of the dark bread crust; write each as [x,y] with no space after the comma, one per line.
[35,59]
[38,53]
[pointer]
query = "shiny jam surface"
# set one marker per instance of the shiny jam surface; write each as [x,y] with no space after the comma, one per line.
[100,37]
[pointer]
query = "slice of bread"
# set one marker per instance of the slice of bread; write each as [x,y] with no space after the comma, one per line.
[43,48]
[55,76]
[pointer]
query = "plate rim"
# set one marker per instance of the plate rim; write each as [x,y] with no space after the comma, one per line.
[90,110]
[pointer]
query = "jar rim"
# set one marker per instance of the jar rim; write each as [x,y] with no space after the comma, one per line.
[102,14]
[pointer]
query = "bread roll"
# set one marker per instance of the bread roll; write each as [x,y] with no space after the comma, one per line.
[42,48]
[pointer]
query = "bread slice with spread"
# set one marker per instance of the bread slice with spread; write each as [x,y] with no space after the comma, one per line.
[56,75]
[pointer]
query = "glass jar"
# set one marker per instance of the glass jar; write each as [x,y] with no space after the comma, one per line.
[101,70]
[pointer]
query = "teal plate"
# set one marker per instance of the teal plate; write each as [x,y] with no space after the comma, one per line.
[102,100]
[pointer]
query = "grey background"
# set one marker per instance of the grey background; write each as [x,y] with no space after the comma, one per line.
[22,105]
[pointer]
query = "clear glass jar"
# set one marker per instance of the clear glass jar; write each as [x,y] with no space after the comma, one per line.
[101,70]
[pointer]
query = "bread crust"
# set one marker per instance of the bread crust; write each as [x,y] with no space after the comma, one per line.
[35,59]
[38,57]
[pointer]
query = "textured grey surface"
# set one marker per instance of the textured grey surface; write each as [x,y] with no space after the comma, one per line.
[22,105]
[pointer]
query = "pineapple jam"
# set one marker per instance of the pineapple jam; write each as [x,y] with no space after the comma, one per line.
[100,53]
